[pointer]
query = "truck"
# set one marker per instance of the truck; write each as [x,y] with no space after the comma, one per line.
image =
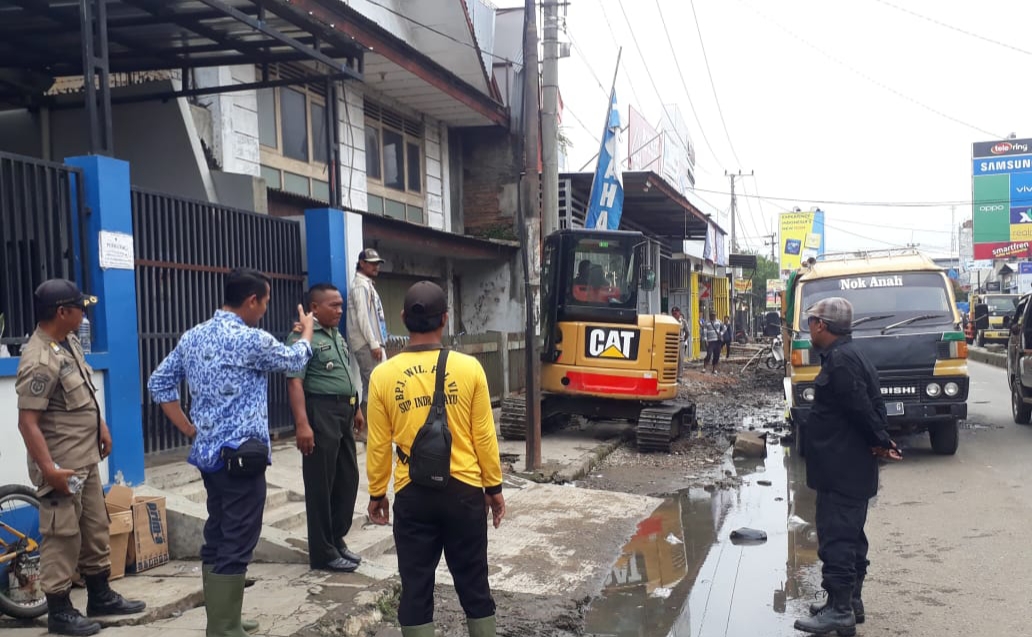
[905,320]
[985,319]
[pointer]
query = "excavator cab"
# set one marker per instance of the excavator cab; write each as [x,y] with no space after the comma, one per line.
[601,358]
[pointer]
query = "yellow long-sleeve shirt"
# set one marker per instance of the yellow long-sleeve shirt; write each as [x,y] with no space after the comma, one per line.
[401,391]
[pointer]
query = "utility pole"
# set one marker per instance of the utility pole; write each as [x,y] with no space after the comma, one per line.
[550,120]
[734,246]
[531,213]
[734,204]
[771,240]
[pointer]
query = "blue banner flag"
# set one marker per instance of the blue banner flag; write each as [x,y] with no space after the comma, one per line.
[606,202]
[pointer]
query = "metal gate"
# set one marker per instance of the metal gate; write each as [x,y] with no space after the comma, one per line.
[184,249]
[39,236]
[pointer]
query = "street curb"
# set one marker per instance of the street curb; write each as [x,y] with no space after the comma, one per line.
[588,461]
[996,359]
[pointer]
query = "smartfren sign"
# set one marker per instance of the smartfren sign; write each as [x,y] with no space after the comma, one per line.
[1001,196]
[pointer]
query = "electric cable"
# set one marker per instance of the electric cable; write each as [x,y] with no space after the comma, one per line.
[869,78]
[955,28]
[713,85]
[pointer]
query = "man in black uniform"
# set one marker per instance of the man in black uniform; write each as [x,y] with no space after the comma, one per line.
[845,435]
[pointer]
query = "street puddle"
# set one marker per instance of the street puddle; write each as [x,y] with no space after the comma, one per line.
[681,575]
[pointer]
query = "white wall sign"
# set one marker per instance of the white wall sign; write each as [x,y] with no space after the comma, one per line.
[116,251]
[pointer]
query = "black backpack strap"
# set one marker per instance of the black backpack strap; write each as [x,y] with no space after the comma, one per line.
[439,399]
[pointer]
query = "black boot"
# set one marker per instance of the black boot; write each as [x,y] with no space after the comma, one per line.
[857,602]
[836,616]
[64,619]
[102,600]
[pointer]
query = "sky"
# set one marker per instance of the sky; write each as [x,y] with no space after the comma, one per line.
[835,105]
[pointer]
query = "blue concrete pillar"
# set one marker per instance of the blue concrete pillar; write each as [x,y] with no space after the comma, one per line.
[113,321]
[325,239]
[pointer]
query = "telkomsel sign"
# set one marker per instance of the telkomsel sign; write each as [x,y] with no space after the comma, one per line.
[1001,195]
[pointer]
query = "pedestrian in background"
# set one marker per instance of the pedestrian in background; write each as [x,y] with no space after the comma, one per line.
[225,362]
[428,520]
[324,401]
[66,438]
[845,436]
[366,324]
[712,331]
[727,336]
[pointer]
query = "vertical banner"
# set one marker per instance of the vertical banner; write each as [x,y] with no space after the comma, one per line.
[607,194]
[775,288]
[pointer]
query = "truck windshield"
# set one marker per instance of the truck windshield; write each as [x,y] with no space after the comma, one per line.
[1001,304]
[887,298]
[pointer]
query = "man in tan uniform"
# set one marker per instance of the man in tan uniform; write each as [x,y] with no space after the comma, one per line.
[60,421]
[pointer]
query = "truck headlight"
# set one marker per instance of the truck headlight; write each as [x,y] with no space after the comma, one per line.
[809,394]
[933,390]
[951,389]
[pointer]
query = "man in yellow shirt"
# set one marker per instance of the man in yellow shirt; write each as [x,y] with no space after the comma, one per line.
[428,521]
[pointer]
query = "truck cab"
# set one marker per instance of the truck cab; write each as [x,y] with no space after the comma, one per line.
[988,311]
[905,320]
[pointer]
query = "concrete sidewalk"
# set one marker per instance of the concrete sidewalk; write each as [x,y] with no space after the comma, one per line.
[540,549]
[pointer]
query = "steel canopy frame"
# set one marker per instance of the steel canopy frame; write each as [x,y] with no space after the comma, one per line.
[154,35]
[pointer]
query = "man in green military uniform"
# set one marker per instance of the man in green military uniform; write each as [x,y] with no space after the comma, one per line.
[66,438]
[324,401]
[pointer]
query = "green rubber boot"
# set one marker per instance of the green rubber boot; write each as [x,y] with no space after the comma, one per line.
[223,598]
[249,625]
[423,630]
[483,627]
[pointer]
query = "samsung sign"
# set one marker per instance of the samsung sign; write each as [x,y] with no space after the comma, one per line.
[1017,163]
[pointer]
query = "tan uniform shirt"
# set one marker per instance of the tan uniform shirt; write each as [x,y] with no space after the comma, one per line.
[55,380]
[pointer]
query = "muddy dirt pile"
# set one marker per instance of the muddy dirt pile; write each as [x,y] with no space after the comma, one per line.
[727,403]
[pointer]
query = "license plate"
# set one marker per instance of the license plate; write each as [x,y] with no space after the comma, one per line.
[894,409]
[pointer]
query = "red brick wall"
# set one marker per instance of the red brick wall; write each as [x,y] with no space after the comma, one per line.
[490,180]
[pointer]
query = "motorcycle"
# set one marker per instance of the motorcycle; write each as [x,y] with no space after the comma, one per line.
[776,354]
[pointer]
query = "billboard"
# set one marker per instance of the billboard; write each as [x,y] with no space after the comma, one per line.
[644,143]
[1001,199]
[802,237]
[775,288]
[743,285]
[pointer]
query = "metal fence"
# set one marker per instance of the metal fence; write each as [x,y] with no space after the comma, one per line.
[39,236]
[184,249]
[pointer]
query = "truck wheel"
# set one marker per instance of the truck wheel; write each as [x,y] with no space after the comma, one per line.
[1021,410]
[945,438]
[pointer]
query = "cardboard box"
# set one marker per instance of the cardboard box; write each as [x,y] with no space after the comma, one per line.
[119,502]
[148,545]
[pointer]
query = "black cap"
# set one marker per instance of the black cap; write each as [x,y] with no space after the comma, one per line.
[61,293]
[425,298]
[370,256]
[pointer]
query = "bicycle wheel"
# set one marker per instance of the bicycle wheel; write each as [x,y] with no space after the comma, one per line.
[21,593]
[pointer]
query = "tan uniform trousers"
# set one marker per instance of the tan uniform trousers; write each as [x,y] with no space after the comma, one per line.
[75,532]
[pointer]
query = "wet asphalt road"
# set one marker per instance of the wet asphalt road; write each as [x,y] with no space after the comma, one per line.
[951,537]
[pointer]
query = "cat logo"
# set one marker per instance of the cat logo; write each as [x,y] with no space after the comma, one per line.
[607,342]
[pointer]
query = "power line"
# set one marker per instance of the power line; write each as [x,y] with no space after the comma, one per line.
[591,69]
[875,204]
[954,28]
[616,41]
[867,77]
[684,83]
[440,33]
[709,72]
[648,73]
[566,110]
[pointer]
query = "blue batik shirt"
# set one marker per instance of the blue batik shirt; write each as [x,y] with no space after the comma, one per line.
[226,365]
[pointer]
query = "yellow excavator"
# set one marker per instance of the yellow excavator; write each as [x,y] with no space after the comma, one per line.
[601,359]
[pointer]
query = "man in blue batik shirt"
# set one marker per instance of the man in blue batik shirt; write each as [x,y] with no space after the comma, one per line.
[225,362]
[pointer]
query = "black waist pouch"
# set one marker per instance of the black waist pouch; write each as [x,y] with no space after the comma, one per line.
[249,459]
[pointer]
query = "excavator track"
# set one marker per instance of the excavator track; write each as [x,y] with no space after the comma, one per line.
[513,421]
[660,425]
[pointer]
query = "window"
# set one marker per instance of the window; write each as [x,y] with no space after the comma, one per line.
[294,122]
[267,131]
[394,164]
[292,135]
